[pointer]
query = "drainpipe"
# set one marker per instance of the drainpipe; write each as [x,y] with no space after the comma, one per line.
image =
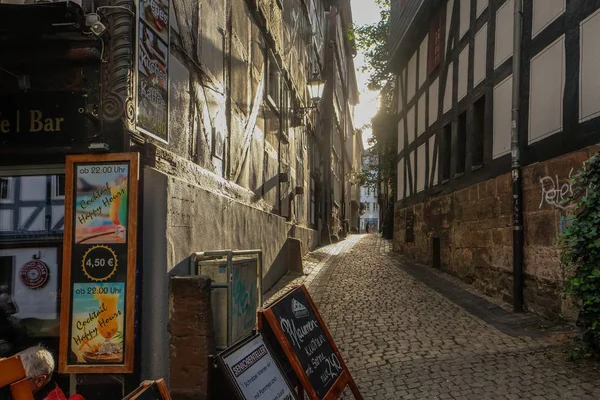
[516,173]
[327,126]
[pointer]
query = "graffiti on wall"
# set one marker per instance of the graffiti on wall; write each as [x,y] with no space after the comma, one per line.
[556,194]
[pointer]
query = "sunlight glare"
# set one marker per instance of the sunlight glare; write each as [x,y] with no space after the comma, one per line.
[364,12]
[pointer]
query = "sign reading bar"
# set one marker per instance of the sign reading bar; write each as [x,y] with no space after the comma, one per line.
[254,372]
[41,118]
[97,308]
[309,347]
[153,69]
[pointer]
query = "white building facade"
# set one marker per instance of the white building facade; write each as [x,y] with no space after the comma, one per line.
[369,220]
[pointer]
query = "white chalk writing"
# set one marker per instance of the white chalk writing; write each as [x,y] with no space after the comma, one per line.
[555,194]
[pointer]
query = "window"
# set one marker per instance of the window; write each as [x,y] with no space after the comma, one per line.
[31,205]
[435,43]
[446,152]
[273,89]
[285,112]
[461,143]
[478,131]
[272,125]
[5,190]
[58,187]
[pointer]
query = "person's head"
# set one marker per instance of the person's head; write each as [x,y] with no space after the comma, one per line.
[39,365]
[7,306]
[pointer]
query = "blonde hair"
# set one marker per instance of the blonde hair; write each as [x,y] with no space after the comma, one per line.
[37,361]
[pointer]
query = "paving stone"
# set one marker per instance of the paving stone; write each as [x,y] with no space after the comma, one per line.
[402,339]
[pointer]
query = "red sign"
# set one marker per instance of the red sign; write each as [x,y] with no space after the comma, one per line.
[35,274]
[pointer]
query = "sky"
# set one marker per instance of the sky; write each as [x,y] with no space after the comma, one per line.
[364,12]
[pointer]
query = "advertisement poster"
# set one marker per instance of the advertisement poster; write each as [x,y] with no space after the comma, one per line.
[255,372]
[97,329]
[101,209]
[155,13]
[99,264]
[153,56]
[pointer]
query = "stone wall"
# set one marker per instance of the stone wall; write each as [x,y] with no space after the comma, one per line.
[181,217]
[475,232]
[205,212]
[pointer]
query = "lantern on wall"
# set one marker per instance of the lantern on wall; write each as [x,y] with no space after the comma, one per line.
[316,86]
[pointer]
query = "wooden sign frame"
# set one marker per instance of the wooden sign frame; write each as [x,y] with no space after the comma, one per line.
[67,285]
[160,384]
[12,374]
[220,359]
[344,379]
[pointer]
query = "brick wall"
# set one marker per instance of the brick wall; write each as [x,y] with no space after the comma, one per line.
[475,230]
[192,339]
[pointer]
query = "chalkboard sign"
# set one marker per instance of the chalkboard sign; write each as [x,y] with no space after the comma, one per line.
[309,347]
[150,390]
[98,282]
[410,227]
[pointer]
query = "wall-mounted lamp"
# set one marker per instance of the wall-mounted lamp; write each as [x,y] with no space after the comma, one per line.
[316,85]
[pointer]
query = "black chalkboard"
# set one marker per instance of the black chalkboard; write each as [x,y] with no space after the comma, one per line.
[150,390]
[308,345]
[150,393]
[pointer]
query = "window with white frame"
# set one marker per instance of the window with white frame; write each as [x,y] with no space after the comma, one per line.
[58,186]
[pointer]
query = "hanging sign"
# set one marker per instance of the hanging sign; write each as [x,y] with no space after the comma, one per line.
[307,344]
[99,264]
[253,371]
[152,67]
[42,119]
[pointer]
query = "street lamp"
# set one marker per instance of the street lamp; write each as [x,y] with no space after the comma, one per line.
[316,85]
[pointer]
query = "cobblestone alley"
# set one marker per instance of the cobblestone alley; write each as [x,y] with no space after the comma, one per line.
[404,336]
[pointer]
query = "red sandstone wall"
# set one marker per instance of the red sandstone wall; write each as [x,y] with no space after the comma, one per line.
[192,337]
[475,231]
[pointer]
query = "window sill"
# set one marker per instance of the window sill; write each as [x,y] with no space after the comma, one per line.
[459,175]
[444,181]
[476,167]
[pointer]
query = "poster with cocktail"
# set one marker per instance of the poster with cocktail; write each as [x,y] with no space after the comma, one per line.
[97,324]
[98,284]
[101,207]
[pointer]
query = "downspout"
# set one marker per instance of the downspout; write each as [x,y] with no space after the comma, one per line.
[327,127]
[516,173]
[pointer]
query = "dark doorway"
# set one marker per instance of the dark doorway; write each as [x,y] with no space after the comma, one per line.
[437,253]
[6,272]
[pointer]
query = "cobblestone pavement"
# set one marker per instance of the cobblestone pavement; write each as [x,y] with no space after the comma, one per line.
[402,339]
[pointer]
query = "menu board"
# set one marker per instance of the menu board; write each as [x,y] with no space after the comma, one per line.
[152,66]
[302,334]
[99,264]
[254,372]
